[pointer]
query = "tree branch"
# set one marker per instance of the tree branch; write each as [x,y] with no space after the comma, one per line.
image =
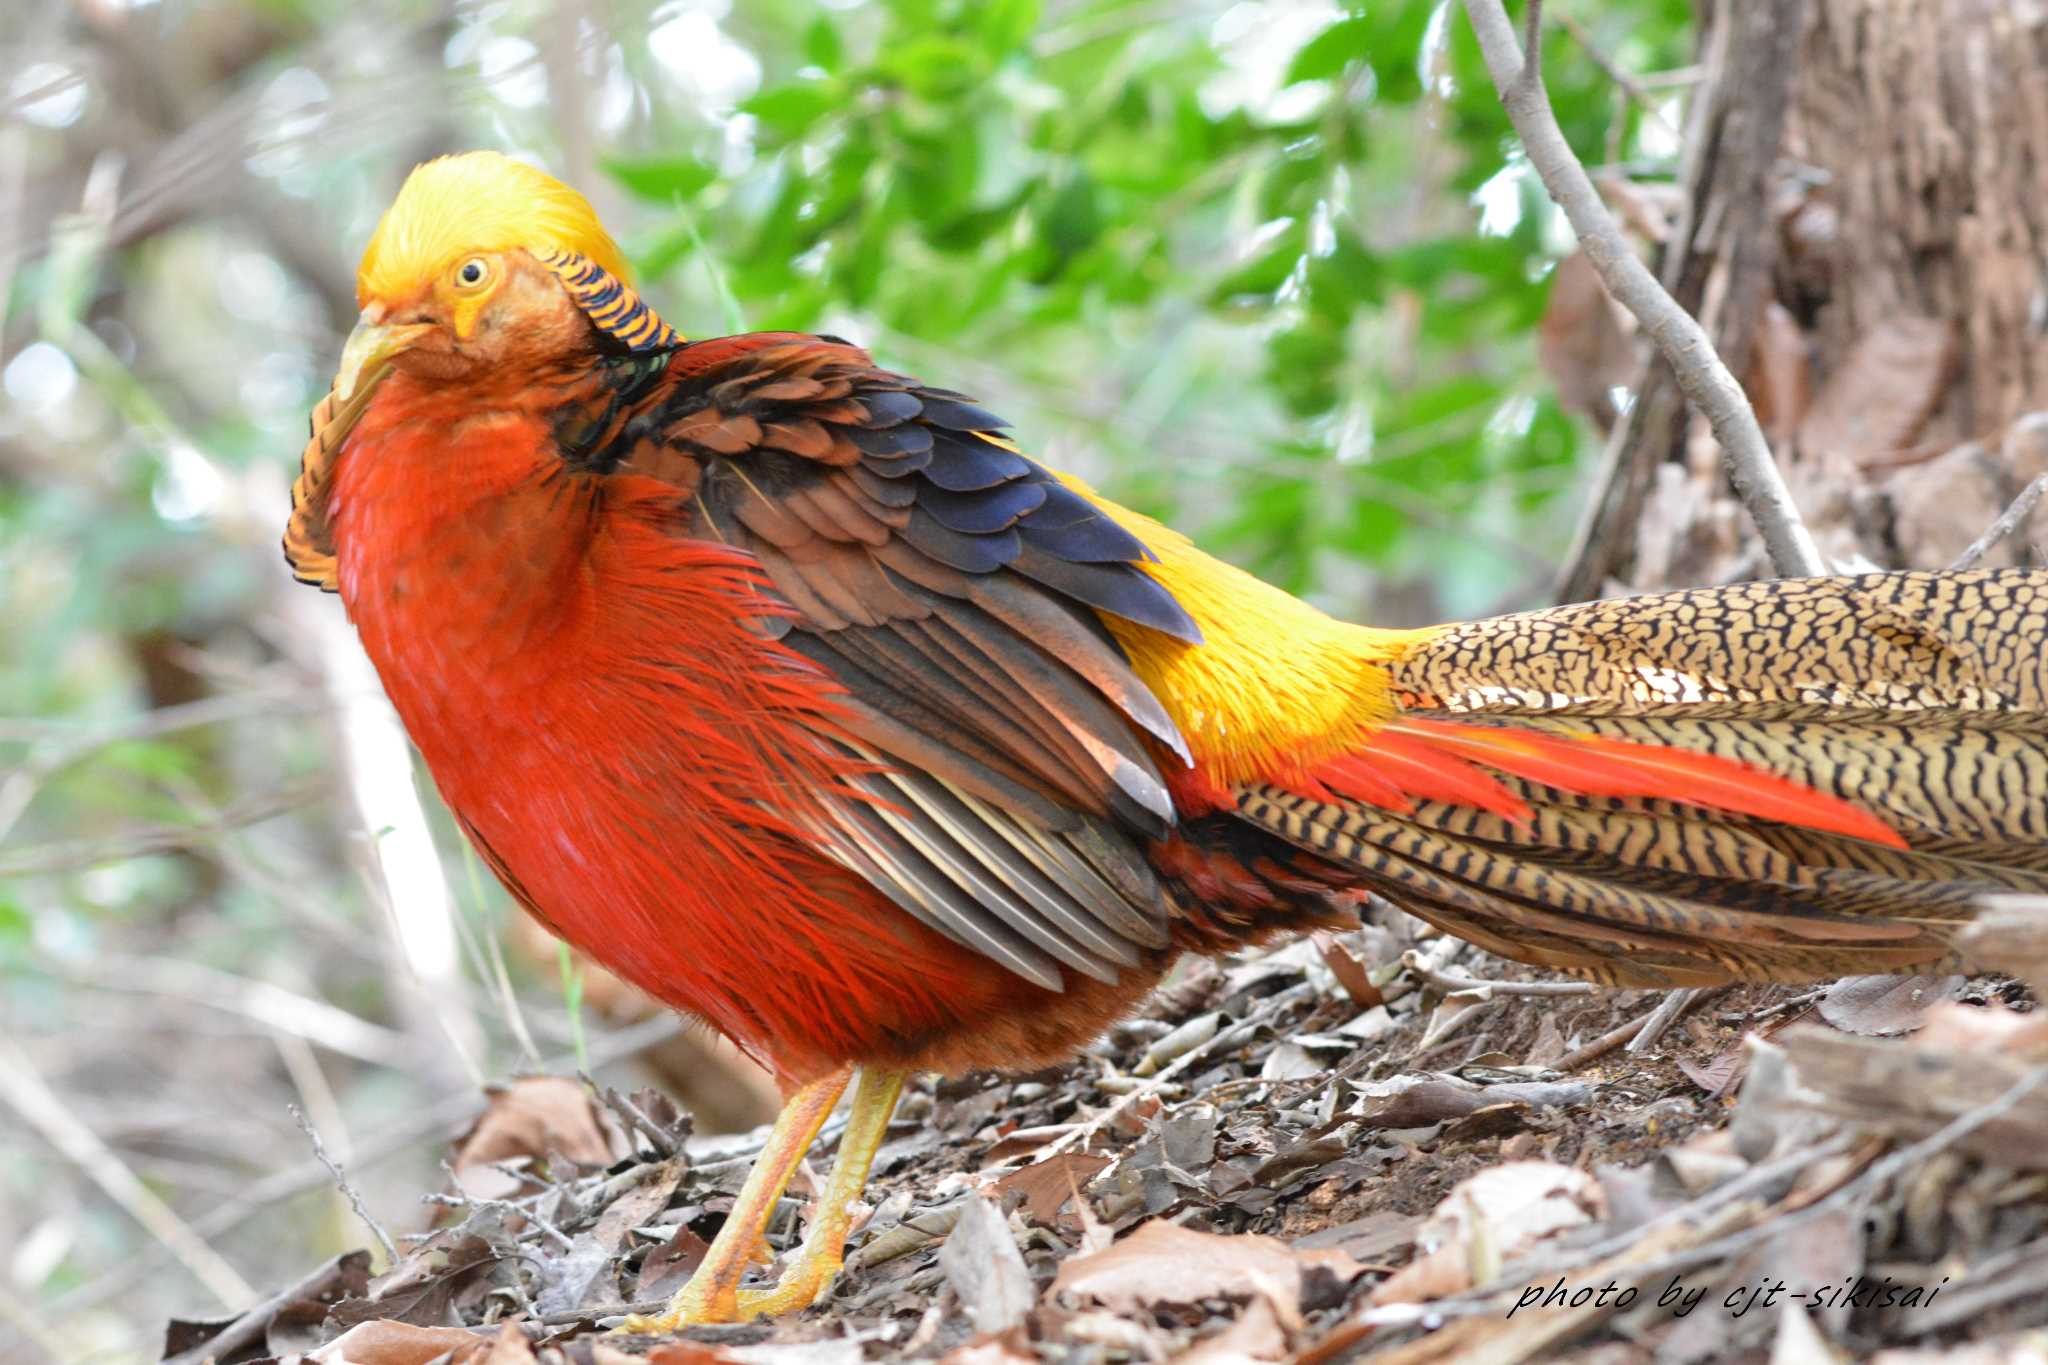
[1699,371]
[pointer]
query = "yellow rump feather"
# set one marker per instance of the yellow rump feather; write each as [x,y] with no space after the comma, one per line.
[459,206]
[1276,687]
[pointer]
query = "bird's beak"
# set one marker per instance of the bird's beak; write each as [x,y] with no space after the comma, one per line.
[369,352]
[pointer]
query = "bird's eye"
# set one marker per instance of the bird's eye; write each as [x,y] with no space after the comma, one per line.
[472,272]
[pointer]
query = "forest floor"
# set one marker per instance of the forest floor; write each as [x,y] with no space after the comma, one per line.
[1366,1147]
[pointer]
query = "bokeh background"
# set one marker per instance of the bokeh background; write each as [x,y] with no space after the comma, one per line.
[1271,270]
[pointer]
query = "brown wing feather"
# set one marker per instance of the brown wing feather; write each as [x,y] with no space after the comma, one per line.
[949,585]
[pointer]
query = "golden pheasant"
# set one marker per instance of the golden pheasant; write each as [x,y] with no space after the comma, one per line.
[793,691]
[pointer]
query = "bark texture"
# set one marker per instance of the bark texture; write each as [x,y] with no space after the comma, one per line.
[1862,226]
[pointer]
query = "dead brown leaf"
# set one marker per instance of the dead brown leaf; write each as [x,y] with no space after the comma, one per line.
[534,1118]
[1047,1187]
[1880,1006]
[1581,343]
[987,1272]
[1720,1075]
[1489,1219]
[1165,1264]
[583,1275]
[383,1342]
[688,1353]
[424,1288]
[1256,1335]
[287,1322]
[1350,973]
[669,1266]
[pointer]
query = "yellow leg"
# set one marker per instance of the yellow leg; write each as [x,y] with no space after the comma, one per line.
[713,1293]
[824,1248]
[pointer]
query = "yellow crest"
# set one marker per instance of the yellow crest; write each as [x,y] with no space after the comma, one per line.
[477,202]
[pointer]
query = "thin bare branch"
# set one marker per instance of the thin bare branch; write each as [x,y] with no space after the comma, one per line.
[1453,981]
[2008,521]
[348,1191]
[1614,71]
[1667,1013]
[1681,340]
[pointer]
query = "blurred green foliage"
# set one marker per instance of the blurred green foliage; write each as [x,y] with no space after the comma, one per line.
[1072,195]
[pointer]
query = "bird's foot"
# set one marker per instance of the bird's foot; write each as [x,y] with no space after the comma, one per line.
[689,1308]
[698,1305]
[802,1285]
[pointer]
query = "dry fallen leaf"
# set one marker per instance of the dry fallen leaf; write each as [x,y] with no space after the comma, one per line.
[1720,1075]
[583,1274]
[1979,1028]
[1879,1006]
[1581,342]
[687,1353]
[403,1343]
[534,1118]
[288,1323]
[1048,1186]
[425,1288]
[1256,1335]
[1163,1263]
[1350,973]
[669,1266]
[1489,1219]
[987,1272]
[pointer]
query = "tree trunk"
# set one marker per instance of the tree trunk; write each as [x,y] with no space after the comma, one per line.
[1864,232]
[1919,259]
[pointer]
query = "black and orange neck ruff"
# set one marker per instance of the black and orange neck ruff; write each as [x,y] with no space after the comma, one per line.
[612,308]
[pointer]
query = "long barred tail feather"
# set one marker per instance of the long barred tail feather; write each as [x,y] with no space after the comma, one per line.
[1854,762]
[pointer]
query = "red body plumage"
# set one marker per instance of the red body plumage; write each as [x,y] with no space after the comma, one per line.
[585,689]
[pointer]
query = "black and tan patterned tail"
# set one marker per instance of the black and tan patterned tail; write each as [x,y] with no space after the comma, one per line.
[1570,823]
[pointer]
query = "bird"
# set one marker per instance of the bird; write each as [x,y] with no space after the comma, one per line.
[793,690]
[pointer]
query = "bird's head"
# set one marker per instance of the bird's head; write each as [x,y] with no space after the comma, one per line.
[484,264]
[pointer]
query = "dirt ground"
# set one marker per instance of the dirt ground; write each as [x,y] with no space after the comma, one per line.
[1380,1145]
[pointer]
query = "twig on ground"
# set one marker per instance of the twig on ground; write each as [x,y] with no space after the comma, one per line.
[1663,1017]
[1684,344]
[1805,1000]
[1452,981]
[329,1280]
[1872,1177]
[2008,522]
[1226,1038]
[509,1207]
[1623,1033]
[23,1089]
[348,1191]
[601,1312]
[633,1118]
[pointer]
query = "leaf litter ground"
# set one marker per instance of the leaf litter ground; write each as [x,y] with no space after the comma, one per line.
[1377,1146]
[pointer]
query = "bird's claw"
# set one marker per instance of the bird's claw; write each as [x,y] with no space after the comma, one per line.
[802,1285]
